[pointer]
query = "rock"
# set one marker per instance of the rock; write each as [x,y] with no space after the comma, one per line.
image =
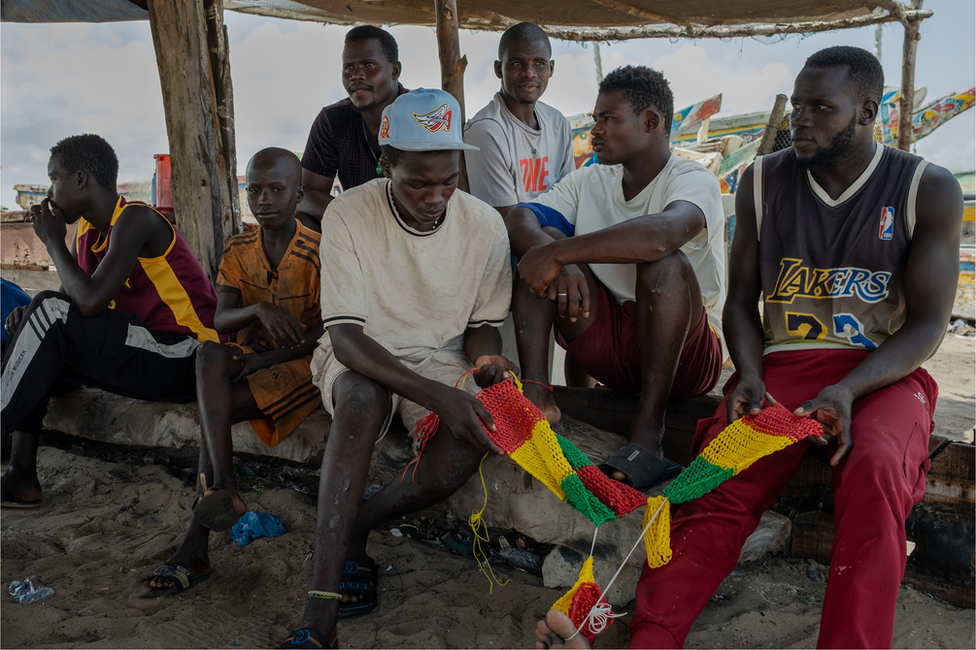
[562,566]
[524,560]
[516,501]
[99,415]
[771,537]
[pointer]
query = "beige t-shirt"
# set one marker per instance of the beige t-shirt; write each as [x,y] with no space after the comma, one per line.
[592,198]
[413,292]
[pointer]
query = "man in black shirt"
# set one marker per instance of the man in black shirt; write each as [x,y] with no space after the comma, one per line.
[343,139]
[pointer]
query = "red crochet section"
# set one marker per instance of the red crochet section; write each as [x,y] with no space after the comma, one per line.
[777,421]
[619,497]
[514,415]
[584,599]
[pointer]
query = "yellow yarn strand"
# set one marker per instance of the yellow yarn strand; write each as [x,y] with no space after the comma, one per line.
[657,537]
[475,521]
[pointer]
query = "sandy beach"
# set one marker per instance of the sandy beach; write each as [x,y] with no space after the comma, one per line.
[111,514]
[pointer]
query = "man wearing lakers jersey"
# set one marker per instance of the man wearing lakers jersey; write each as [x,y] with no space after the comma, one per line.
[852,246]
[134,305]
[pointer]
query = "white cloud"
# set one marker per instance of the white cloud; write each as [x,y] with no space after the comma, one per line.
[59,80]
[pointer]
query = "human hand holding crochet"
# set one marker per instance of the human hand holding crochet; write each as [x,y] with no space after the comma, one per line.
[465,417]
[492,369]
[745,399]
[832,409]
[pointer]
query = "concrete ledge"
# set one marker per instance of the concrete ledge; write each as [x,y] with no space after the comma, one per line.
[98,415]
[515,500]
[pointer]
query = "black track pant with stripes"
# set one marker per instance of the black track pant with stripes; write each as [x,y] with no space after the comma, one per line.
[113,351]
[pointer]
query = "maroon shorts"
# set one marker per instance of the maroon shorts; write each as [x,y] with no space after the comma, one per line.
[608,351]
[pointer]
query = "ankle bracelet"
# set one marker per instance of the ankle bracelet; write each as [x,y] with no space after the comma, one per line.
[325,595]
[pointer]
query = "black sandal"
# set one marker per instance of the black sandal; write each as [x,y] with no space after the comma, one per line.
[644,469]
[359,578]
[308,638]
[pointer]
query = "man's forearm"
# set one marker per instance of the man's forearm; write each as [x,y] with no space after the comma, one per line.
[744,336]
[227,320]
[524,231]
[481,341]
[643,239]
[897,357]
[314,203]
[75,283]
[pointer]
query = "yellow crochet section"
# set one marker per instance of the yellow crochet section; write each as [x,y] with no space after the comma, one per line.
[740,445]
[585,576]
[543,458]
[657,539]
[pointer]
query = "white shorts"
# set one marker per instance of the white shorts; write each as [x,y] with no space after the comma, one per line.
[444,366]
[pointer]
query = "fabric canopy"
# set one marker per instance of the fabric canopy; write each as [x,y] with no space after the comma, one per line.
[571,19]
[500,14]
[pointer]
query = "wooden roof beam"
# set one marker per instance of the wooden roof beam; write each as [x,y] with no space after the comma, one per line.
[730,31]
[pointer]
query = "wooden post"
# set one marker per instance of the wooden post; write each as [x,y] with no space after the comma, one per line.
[194,74]
[230,215]
[772,127]
[452,63]
[906,102]
[449,50]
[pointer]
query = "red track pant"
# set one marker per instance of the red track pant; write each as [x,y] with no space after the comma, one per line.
[874,490]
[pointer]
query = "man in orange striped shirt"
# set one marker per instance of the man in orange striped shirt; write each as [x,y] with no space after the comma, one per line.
[268,293]
[133,306]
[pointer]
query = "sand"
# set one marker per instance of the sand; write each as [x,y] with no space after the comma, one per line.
[111,515]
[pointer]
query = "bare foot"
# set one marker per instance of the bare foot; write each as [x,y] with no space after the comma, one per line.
[553,631]
[219,508]
[20,486]
[542,397]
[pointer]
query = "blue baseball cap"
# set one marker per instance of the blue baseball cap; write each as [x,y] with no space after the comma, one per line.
[424,119]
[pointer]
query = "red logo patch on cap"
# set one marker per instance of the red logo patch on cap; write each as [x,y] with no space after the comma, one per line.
[385,128]
[438,119]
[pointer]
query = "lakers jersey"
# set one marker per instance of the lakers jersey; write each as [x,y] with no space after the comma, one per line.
[169,293]
[832,269]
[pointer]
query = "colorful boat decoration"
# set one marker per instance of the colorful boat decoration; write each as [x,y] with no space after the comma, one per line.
[685,119]
[688,118]
[926,119]
[748,126]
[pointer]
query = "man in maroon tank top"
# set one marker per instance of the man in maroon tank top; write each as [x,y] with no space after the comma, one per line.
[852,247]
[133,306]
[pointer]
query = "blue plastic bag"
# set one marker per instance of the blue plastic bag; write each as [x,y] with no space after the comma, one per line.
[28,591]
[256,524]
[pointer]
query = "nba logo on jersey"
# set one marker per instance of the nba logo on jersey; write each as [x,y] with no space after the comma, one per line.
[887,229]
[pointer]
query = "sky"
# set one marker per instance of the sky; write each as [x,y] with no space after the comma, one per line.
[58,80]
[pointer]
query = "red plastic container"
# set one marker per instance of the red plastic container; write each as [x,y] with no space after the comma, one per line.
[164,185]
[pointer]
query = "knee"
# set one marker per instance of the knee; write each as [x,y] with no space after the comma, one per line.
[212,356]
[360,398]
[666,275]
[51,301]
[879,480]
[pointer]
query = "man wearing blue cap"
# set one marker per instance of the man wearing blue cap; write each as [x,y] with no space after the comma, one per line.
[417,292]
